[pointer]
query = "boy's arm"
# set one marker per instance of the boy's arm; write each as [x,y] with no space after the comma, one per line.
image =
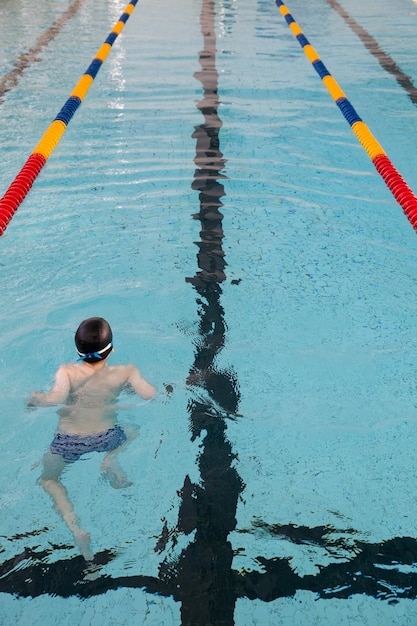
[58,393]
[144,389]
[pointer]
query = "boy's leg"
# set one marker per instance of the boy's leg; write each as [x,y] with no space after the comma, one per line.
[111,468]
[53,464]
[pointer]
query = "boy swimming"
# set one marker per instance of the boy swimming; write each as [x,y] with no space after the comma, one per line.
[87,421]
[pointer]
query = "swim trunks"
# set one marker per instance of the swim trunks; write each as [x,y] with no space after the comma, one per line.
[71,447]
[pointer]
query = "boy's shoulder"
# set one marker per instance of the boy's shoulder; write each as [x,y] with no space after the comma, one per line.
[120,374]
[69,368]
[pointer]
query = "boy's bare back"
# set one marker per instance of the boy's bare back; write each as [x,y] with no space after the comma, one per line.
[89,390]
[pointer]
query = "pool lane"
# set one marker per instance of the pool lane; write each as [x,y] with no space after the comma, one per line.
[26,59]
[21,185]
[383,164]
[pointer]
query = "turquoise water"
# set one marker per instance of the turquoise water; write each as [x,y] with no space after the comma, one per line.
[300,419]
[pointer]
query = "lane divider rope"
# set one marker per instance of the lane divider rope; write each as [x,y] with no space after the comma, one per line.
[384,166]
[24,180]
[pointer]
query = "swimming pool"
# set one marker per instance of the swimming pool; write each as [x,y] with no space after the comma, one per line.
[294,326]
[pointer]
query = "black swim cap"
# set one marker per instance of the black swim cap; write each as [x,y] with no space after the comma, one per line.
[94,340]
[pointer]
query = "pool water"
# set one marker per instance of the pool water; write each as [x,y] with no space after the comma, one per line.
[211,202]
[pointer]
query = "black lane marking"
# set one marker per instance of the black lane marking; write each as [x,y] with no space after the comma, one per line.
[372,569]
[203,573]
[371,44]
[209,161]
[11,79]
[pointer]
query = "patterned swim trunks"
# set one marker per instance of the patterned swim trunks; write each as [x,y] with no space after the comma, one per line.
[71,447]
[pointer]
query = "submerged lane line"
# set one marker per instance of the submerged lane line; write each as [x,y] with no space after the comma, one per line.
[371,44]
[10,80]
[394,181]
[24,180]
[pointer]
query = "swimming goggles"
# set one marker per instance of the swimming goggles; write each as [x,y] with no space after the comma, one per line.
[97,355]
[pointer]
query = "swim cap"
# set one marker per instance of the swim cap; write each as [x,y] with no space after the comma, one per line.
[94,340]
